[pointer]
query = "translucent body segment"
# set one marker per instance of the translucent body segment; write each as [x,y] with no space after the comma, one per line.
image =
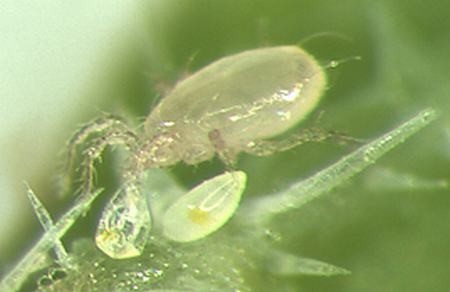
[205,208]
[252,95]
[125,224]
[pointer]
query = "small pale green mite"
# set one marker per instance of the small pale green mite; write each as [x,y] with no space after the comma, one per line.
[232,105]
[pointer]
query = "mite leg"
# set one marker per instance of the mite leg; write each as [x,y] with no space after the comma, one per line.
[227,155]
[94,127]
[315,134]
[95,149]
[106,126]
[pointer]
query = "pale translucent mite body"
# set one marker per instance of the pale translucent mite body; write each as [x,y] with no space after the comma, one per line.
[230,106]
[233,103]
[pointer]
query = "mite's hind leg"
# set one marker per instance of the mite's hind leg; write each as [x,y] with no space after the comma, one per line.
[314,134]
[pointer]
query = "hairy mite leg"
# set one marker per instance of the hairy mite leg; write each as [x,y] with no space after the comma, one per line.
[95,149]
[97,132]
[314,134]
[97,127]
[227,155]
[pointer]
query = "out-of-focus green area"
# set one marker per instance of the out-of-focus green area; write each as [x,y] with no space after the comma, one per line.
[389,226]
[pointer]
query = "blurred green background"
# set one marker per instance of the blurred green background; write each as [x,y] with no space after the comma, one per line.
[389,226]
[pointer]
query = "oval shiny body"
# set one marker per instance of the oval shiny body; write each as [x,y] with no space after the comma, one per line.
[252,95]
